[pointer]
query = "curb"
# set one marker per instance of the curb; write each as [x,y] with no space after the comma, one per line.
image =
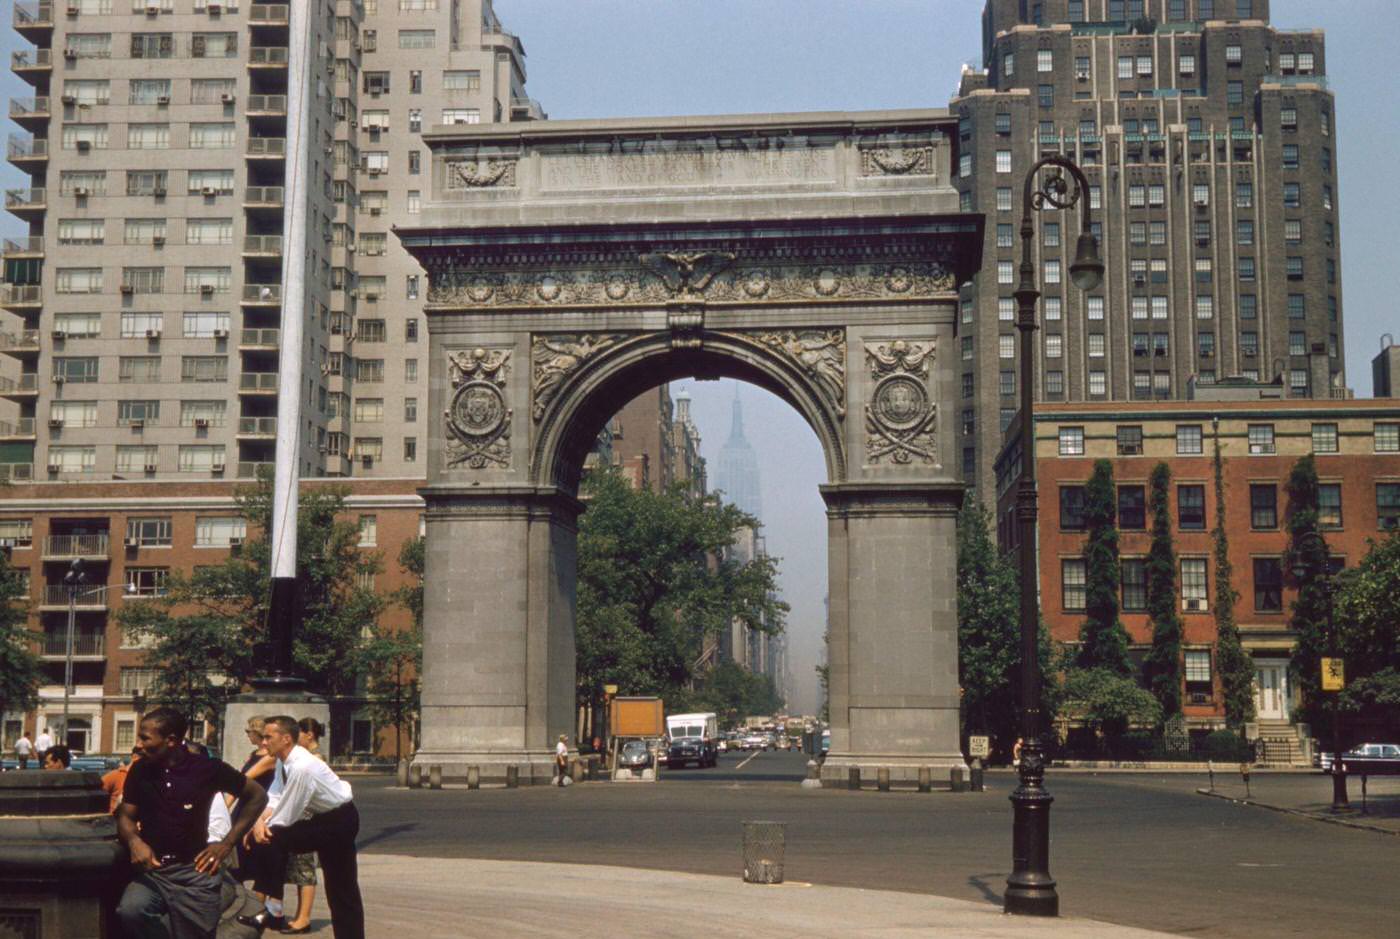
[1329,819]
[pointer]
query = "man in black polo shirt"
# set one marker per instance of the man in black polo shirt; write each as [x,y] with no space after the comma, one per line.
[176,891]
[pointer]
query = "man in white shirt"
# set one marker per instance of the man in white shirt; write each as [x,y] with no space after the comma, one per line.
[310,808]
[42,744]
[23,749]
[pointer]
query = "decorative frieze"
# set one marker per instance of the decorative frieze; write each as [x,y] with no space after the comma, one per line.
[481,174]
[897,161]
[555,358]
[820,354]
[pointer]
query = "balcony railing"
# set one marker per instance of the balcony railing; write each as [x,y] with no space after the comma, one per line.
[88,596]
[77,546]
[267,338]
[250,469]
[269,14]
[273,147]
[24,427]
[262,244]
[268,56]
[31,58]
[21,295]
[16,471]
[21,108]
[263,195]
[258,382]
[257,426]
[28,148]
[30,244]
[19,200]
[84,643]
[267,104]
[33,15]
[26,341]
[262,293]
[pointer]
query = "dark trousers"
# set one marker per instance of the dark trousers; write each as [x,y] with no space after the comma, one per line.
[176,901]
[332,836]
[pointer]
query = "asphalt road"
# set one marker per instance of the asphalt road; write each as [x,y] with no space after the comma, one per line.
[1137,849]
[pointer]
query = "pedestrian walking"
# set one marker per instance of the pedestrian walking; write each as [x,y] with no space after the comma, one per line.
[42,744]
[257,863]
[24,748]
[301,867]
[164,822]
[304,784]
[561,759]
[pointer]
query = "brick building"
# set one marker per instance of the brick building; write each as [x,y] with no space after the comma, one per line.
[131,536]
[1357,448]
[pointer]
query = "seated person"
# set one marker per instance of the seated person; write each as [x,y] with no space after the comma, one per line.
[58,757]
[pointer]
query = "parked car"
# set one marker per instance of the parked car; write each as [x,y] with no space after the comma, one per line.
[1367,751]
[756,742]
[634,755]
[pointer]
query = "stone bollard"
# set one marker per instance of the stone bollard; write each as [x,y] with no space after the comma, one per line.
[473,777]
[882,779]
[814,775]
[958,778]
[925,779]
[415,776]
[853,778]
[512,777]
[434,777]
[576,770]
[401,774]
[976,780]
[58,853]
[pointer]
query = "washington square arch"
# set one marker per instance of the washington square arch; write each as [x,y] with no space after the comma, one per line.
[575,264]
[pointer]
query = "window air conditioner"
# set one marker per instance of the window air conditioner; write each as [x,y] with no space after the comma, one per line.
[84,146]
[153,9]
[74,10]
[1195,605]
[153,334]
[127,289]
[366,461]
[209,191]
[227,98]
[56,423]
[201,423]
[80,192]
[371,294]
[69,99]
[1200,697]
[221,334]
[59,334]
[157,240]
[216,8]
[375,171]
[55,467]
[375,210]
[163,100]
[70,53]
[138,425]
[206,289]
[216,468]
[235,544]
[150,467]
[132,543]
[58,379]
[158,192]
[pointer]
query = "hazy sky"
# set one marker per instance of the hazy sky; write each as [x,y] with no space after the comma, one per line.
[613,58]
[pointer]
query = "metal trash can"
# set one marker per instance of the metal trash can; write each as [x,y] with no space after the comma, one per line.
[764,846]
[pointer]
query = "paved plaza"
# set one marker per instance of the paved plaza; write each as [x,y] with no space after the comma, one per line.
[1137,850]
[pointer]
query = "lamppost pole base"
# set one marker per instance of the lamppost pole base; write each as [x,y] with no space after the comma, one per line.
[1340,801]
[1030,890]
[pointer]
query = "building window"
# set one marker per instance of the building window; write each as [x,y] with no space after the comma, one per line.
[1197,669]
[1132,507]
[1130,440]
[1261,438]
[1324,438]
[1193,585]
[1191,507]
[149,532]
[1054,345]
[1003,199]
[1329,505]
[1098,383]
[1245,232]
[1125,66]
[1268,585]
[369,531]
[219,531]
[1244,195]
[1387,437]
[1387,506]
[1054,382]
[1006,346]
[967,385]
[1005,273]
[1234,92]
[1292,195]
[1249,306]
[1263,506]
[1006,309]
[1071,508]
[1003,164]
[1246,270]
[1097,345]
[1134,581]
[1188,439]
[1072,583]
[1052,271]
[1071,441]
[1006,382]
[1094,308]
[146,581]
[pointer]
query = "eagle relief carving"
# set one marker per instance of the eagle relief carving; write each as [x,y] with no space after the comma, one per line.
[687,275]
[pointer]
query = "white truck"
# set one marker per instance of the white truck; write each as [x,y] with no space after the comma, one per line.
[694,738]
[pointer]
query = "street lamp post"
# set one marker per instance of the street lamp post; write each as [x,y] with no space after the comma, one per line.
[1340,801]
[73,580]
[1030,890]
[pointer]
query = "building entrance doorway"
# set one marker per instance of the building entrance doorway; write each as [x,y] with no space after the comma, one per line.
[573,265]
[1271,690]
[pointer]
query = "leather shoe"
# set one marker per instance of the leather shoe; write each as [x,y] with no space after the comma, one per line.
[295,930]
[263,920]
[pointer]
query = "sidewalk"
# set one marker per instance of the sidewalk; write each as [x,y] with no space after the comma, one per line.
[455,897]
[1310,796]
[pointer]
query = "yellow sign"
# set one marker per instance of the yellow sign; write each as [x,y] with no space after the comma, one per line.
[610,689]
[1333,674]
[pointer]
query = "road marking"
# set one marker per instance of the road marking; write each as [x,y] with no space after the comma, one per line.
[748,758]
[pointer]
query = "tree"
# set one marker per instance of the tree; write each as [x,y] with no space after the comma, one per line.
[392,658]
[989,631]
[1231,661]
[207,635]
[656,576]
[1306,566]
[1368,611]
[1103,640]
[1109,702]
[21,668]
[734,693]
[1162,668]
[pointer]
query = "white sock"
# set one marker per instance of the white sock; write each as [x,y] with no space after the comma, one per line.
[274,907]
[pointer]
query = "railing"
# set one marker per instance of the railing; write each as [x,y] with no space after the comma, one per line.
[56,643]
[267,55]
[77,546]
[21,295]
[57,595]
[267,146]
[260,337]
[263,195]
[27,340]
[24,427]
[269,13]
[262,244]
[16,471]
[32,198]
[1140,746]
[31,58]
[250,470]
[28,381]
[269,104]
[262,426]
[262,293]
[257,381]
[30,244]
[32,15]
[23,148]
[21,108]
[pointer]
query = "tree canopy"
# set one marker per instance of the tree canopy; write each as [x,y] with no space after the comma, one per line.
[1368,613]
[1103,640]
[989,630]
[1235,666]
[21,668]
[1163,665]
[1307,567]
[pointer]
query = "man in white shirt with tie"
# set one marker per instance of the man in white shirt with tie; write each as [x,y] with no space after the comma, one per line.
[310,808]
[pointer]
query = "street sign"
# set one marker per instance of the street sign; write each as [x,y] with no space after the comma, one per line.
[980,747]
[1333,674]
[610,690]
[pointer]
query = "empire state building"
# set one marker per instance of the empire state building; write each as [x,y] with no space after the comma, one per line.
[737,473]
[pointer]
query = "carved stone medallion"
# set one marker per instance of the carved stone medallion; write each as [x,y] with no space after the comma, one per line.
[902,161]
[478,419]
[480,174]
[901,416]
[554,359]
